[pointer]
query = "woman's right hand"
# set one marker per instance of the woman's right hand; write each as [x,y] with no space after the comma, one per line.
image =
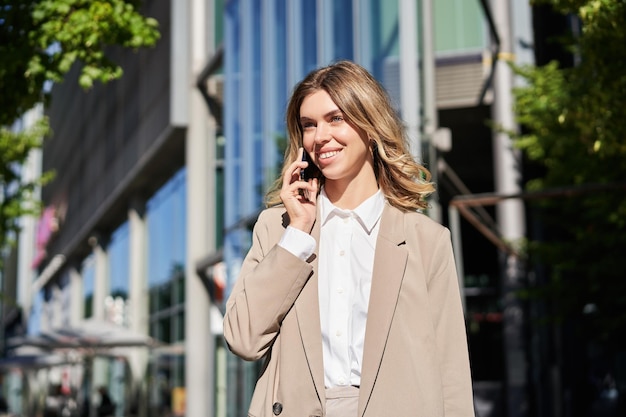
[299,197]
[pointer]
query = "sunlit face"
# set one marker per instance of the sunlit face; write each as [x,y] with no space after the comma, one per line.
[335,145]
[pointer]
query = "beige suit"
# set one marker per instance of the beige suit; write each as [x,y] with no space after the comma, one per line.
[415,360]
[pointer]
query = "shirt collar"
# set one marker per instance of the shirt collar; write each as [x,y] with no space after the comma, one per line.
[367,213]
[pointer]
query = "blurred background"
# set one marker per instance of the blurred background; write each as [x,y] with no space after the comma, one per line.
[127,215]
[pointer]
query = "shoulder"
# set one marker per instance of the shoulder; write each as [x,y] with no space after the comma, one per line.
[423,221]
[272,215]
[428,239]
[416,220]
[413,228]
[271,223]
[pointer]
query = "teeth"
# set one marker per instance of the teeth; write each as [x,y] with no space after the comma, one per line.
[328,154]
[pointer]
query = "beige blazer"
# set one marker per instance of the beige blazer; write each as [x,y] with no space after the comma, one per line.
[415,360]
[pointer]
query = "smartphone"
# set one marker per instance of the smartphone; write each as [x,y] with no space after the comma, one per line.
[311,171]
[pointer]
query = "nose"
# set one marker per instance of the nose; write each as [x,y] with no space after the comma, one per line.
[322,133]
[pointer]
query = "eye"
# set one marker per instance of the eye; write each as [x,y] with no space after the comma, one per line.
[337,118]
[307,125]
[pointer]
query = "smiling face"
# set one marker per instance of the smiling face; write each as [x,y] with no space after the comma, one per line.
[340,150]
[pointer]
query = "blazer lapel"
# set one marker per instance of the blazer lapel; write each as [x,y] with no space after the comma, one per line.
[308,314]
[389,265]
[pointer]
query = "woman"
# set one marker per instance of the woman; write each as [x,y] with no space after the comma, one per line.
[348,293]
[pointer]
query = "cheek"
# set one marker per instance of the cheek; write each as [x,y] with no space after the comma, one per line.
[358,141]
[308,142]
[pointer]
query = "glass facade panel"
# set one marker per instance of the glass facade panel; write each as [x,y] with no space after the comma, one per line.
[255,159]
[233,119]
[384,41]
[309,39]
[218,21]
[343,30]
[459,26]
[274,102]
[166,217]
[34,319]
[280,63]
[166,223]
[118,251]
[167,220]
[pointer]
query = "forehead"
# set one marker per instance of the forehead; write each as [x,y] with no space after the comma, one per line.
[317,103]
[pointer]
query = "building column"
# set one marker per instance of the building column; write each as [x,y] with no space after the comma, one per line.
[510,218]
[77,298]
[100,292]
[26,273]
[101,275]
[200,162]
[410,94]
[53,310]
[138,295]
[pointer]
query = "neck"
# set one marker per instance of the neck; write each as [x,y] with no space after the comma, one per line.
[349,195]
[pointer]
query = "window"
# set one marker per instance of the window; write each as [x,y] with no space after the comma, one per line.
[459,26]
[166,218]
[118,250]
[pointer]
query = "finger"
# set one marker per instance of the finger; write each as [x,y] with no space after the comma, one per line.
[293,172]
[293,189]
[308,189]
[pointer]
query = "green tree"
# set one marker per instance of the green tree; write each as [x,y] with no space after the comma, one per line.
[40,41]
[575,131]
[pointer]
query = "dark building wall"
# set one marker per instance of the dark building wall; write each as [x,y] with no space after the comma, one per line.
[471,160]
[113,142]
[549,29]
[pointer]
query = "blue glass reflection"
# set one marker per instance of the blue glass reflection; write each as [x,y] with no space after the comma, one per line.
[167,238]
[34,318]
[309,36]
[343,30]
[118,262]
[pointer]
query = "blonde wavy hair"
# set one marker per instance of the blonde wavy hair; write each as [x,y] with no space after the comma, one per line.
[366,105]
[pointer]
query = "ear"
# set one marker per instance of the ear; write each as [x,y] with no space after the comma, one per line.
[373,145]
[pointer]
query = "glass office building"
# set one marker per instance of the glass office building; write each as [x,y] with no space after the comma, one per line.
[270,46]
[126,233]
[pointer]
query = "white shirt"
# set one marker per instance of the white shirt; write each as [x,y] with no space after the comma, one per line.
[346,260]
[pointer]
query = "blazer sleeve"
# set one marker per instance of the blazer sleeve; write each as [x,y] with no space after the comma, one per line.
[270,280]
[450,330]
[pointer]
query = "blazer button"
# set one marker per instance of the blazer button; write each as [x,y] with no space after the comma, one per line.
[277,408]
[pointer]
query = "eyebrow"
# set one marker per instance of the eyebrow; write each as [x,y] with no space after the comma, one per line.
[327,115]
